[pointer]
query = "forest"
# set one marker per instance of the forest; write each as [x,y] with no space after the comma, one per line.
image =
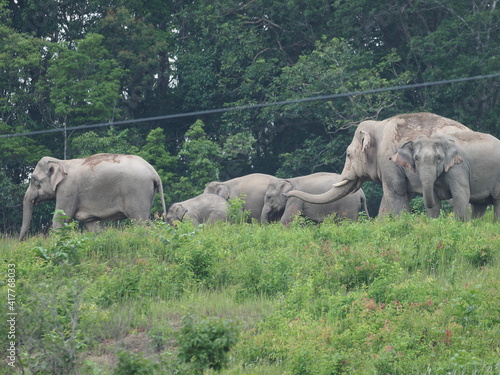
[170,73]
[212,90]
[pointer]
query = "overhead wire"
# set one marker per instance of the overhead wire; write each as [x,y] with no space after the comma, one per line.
[254,106]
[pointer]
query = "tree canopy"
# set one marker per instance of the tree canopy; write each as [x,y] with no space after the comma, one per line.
[64,64]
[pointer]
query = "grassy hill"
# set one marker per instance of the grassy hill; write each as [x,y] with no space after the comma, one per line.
[398,296]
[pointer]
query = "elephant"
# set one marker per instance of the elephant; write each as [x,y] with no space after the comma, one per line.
[464,167]
[251,188]
[367,159]
[204,208]
[95,188]
[277,204]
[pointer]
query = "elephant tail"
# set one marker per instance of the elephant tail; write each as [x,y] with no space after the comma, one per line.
[159,188]
[365,206]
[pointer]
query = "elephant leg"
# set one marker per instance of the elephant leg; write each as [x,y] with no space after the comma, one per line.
[292,209]
[436,210]
[68,212]
[93,226]
[393,203]
[496,210]
[461,198]
[478,210]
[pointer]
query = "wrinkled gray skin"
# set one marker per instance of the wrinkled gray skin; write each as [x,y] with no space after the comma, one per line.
[277,204]
[252,186]
[465,167]
[204,208]
[99,187]
[368,159]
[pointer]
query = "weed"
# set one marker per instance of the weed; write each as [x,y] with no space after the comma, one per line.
[236,213]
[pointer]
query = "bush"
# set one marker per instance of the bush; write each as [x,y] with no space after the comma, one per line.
[205,343]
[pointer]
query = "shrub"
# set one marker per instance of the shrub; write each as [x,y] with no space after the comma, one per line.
[130,363]
[205,343]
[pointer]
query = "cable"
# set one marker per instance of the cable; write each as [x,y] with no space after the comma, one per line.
[254,106]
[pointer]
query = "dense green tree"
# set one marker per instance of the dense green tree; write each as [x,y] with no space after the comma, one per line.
[83,84]
[166,164]
[199,164]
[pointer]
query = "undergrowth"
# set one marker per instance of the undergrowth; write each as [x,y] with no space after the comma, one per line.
[406,295]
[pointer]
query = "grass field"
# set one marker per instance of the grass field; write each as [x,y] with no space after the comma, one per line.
[397,296]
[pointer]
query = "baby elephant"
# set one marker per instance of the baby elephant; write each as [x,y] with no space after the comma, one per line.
[464,166]
[204,208]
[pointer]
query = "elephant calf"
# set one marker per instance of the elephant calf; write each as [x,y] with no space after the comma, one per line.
[464,166]
[99,187]
[204,208]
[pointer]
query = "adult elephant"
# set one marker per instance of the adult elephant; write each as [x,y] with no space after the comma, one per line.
[204,208]
[99,187]
[288,207]
[368,159]
[251,188]
[464,166]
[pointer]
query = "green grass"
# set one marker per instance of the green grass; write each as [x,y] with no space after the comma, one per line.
[408,295]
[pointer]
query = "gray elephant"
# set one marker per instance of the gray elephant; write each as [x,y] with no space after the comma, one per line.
[367,159]
[99,187]
[204,208]
[464,166]
[251,188]
[277,204]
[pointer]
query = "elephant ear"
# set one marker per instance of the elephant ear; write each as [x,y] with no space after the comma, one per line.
[365,140]
[180,211]
[285,187]
[404,156]
[452,155]
[222,191]
[57,173]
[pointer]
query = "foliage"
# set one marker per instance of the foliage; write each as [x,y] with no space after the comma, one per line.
[199,162]
[205,343]
[66,248]
[395,295]
[133,364]
[237,214]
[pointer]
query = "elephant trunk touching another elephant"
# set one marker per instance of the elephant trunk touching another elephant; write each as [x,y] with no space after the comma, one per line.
[368,159]
[277,203]
[337,192]
[99,187]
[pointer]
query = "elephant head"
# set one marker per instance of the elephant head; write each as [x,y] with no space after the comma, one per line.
[275,200]
[360,166]
[176,212]
[48,174]
[429,157]
[218,188]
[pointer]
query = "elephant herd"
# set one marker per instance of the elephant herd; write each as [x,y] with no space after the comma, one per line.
[408,154]
[264,200]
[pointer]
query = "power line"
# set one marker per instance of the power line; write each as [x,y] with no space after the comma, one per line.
[254,106]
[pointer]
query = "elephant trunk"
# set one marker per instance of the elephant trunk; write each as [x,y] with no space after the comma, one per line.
[28,206]
[428,190]
[264,216]
[338,191]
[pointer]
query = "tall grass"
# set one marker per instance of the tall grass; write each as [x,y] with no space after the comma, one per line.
[397,296]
